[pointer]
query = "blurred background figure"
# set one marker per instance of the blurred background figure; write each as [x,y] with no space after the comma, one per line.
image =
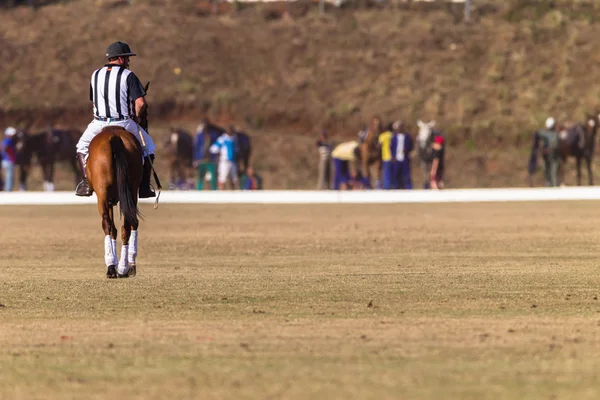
[324,171]
[250,180]
[432,151]
[401,146]
[384,140]
[225,147]
[9,157]
[344,157]
[370,155]
[436,176]
[204,161]
[549,141]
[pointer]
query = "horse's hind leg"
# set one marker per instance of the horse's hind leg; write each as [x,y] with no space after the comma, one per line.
[133,250]
[110,251]
[127,267]
[123,269]
[113,235]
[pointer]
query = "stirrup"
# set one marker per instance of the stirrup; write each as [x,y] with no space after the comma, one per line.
[83,189]
[145,193]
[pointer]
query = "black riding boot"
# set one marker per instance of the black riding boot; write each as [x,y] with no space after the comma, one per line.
[83,189]
[145,188]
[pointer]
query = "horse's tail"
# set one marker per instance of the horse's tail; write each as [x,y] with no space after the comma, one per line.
[126,196]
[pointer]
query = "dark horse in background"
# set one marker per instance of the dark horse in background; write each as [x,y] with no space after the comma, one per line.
[179,151]
[574,140]
[578,141]
[243,151]
[47,148]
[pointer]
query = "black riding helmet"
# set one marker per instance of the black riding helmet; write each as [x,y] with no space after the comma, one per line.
[119,49]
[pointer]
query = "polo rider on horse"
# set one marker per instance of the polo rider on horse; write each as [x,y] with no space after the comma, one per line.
[118,99]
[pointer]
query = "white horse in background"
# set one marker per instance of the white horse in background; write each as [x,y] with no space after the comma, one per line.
[424,140]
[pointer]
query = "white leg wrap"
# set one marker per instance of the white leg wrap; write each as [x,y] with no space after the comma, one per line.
[114,251]
[108,251]
[133,249]
[123,264]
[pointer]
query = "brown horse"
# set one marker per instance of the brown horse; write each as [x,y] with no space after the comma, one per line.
[114,170]
[370,153]
[578,141]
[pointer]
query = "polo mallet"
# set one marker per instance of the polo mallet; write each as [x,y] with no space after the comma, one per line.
[158,185]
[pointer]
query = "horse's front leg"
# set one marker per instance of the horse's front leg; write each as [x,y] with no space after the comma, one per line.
[560,174]
[426,168]
[189,175]
[172,175]
[23,171]
[578,161]
[47,172]
[366,173]
[378,180]
[588,162]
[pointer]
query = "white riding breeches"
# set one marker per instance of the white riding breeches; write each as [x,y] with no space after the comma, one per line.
[96,126]
[225,170]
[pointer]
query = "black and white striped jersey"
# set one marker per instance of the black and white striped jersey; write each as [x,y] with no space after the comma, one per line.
[114,90]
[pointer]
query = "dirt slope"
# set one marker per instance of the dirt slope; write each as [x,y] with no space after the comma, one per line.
[489,84]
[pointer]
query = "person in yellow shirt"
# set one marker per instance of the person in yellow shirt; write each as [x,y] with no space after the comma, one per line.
[344,157]
[387,167]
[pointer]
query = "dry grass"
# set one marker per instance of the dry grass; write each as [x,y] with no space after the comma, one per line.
[406,301]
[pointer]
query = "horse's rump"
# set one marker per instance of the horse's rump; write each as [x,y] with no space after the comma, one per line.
[572,140]
[114,169]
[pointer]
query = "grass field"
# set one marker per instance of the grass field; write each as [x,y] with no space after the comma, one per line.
[457,301]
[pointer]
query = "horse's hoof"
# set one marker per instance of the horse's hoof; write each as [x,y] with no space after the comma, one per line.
[122,276]
[132,270]
[111,272]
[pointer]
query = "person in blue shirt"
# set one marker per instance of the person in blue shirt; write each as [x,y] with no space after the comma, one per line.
[9,157]
[401,146]
[225,148]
